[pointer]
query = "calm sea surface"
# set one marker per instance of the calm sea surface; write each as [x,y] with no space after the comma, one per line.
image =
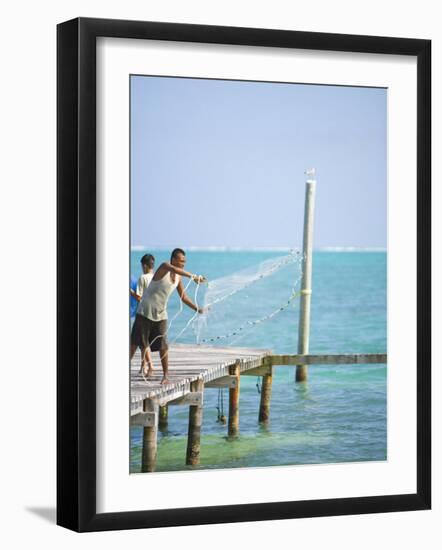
[339,415]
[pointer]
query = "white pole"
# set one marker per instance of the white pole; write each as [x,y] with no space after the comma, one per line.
[306,285]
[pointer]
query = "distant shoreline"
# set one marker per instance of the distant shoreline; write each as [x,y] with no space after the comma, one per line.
[139,248]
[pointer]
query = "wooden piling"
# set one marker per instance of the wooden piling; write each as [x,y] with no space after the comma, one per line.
[233,425]
[150,432]
[266,394]
[306,285]
[163,417]
[195,422]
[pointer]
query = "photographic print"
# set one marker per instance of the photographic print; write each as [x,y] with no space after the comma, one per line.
[238,210]
[258,263]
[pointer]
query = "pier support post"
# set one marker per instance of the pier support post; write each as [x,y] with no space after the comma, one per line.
[306,285]
[150,432]
[195,423]
[163,417]
[266,394]
[233,425]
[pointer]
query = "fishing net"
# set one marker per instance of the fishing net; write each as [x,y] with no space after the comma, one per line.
[243,303]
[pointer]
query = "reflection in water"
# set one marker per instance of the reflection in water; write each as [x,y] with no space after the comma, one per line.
[302,390]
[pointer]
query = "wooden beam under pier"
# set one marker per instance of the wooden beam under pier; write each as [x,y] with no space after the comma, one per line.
[145,419]
[194,398]
[223,382]
[323,359]
[263,370]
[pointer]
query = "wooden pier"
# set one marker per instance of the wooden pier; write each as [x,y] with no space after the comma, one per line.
[188,363]
[194,368]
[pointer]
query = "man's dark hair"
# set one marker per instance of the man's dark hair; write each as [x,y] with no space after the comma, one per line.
[145,260]
[175,253]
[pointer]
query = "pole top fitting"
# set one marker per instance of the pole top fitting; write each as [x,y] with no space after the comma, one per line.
[310,173]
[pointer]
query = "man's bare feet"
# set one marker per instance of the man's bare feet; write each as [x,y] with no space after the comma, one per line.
[146,372]
[165,380]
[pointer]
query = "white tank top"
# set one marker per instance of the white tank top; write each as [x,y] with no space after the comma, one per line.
[153,304]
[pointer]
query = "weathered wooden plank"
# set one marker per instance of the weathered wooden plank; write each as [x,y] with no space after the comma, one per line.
[147,419]
[136,407]
[258,371]
[194,398]
[223,382]
[332,359]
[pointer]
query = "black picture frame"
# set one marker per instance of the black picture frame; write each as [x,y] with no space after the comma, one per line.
[76,251]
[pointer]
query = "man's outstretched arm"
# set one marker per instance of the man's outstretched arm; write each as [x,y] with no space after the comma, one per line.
[166,266]
[186,300]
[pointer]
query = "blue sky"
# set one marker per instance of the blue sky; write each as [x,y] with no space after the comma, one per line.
[221,163]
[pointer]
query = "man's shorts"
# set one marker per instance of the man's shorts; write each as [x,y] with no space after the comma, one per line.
[148,333]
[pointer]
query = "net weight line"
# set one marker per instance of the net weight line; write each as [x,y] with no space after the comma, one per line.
[258,321]
[251,275]
[239,331]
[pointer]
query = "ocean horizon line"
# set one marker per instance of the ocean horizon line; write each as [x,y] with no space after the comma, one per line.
[141,248]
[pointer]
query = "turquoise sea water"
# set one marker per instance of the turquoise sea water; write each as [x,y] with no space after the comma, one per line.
[339,415]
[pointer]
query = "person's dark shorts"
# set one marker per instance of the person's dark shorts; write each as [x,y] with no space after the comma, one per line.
[148,333]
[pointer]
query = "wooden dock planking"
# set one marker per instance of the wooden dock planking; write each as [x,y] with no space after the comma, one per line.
[188,363]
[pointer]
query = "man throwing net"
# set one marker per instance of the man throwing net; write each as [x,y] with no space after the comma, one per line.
[150,326]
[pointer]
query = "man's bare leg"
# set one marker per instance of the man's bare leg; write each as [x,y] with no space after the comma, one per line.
[146,360]
[143,361]
[164,355]
[133,349]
